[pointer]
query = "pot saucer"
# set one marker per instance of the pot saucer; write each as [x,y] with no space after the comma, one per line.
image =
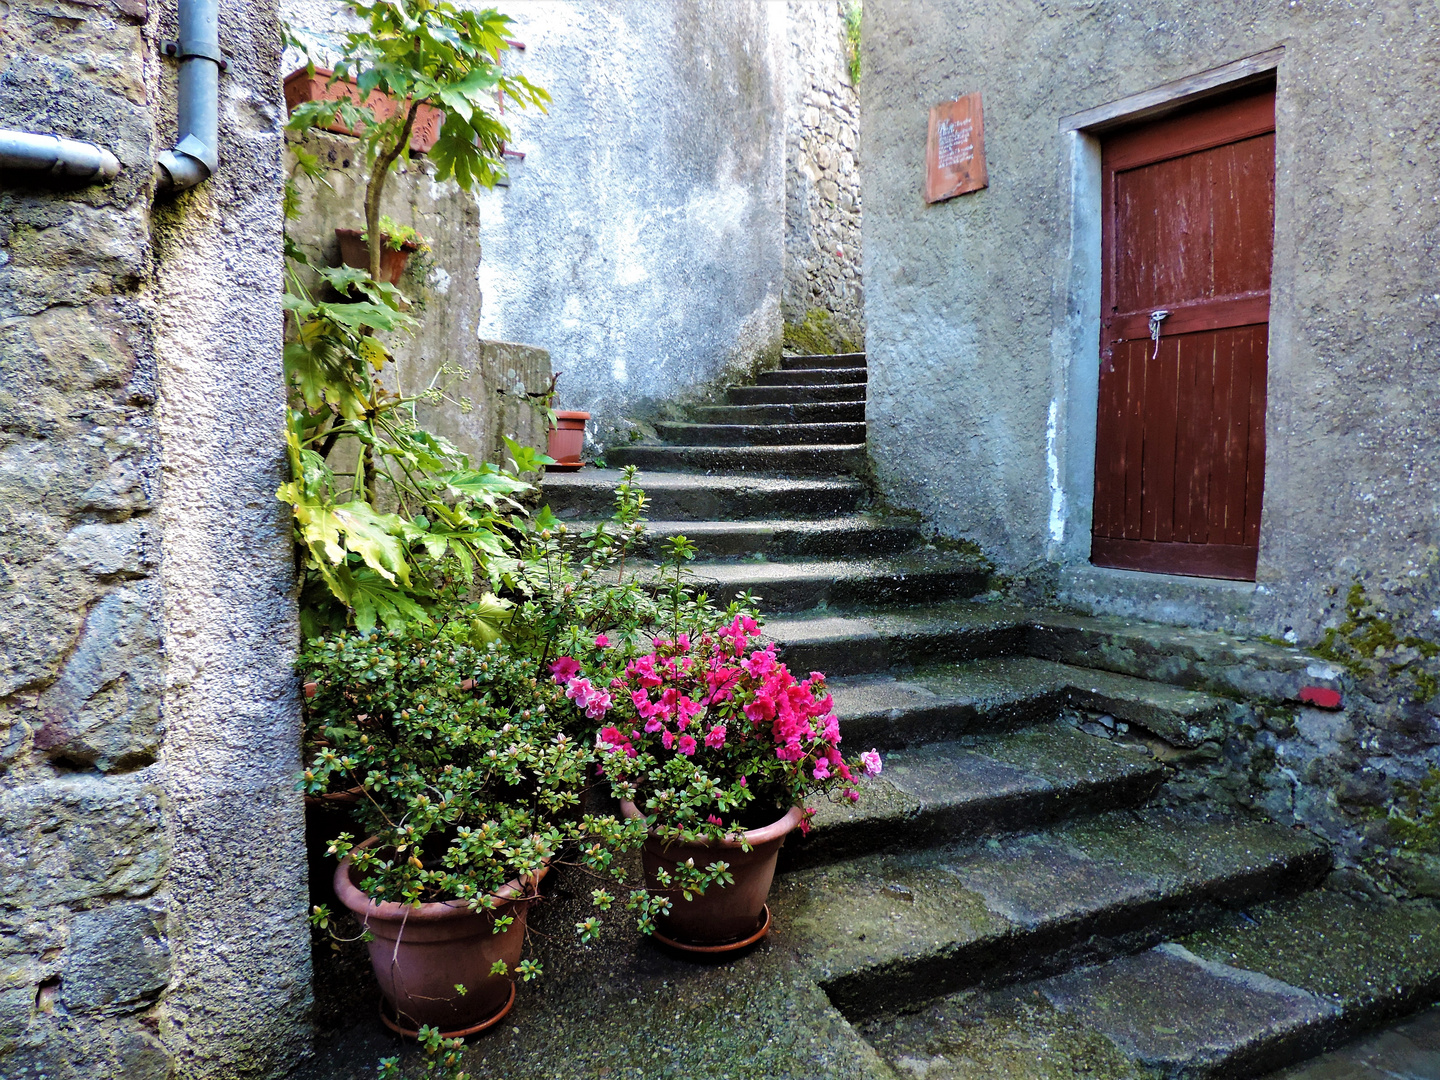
[565,466]
[411,1033]
[724,947]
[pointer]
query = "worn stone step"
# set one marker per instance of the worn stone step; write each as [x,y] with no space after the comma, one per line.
[841,644]
[590,494]
[1201,659]
[944,701]
[884,933]
[794,395]
[1264,989]
[798,586]
[823,360]
[685,434]
[856,534]
[822,412]
[763,460]
[812,377]
[941,792]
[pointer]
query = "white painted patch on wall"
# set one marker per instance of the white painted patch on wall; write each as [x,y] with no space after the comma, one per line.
[1052,465]
[439,280]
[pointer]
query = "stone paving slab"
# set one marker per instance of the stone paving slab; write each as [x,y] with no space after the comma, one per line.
[1408,1051]
[883,930]
[1171,1011]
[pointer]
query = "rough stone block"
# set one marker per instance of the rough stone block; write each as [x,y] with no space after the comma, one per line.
[78,838]
[118,957]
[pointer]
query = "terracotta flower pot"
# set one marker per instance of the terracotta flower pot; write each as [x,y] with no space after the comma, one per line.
[420,954]
[354,252]
[723,915]
[301,86]
[567,437]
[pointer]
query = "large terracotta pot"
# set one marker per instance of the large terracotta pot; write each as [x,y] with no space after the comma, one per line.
[354,252]
[302,86]
[723,914]
[420,954]
[567,437]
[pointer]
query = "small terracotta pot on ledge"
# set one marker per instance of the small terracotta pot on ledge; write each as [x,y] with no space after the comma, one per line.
[567,441]
[420,954]
[354,252]
[725,918]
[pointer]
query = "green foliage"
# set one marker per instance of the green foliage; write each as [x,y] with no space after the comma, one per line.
[397,236]
[412,519]
[423,52]
[851,13]
[818,333]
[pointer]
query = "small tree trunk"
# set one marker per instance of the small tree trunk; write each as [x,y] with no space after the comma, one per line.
[376,188]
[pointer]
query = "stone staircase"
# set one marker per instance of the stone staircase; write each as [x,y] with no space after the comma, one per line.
[1022,893]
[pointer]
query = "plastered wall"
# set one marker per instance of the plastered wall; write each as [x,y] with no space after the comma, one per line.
[972,381]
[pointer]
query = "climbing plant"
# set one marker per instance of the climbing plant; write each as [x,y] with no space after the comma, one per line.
[851,13]
[390,516]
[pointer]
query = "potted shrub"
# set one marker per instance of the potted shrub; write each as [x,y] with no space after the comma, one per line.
[322,84]
[705,737]
[397,244]
[470,792]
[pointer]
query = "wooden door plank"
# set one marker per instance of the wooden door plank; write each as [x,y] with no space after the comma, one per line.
[1255,442]
[1134,426]
[1161,385]
[1245,217]
[1232,421]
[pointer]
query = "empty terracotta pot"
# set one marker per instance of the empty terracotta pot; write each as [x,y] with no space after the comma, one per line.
[353,252]
[420,954]
[725,913]
[567,437]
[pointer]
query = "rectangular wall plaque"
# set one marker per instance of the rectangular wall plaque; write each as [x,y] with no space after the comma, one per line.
[955,149]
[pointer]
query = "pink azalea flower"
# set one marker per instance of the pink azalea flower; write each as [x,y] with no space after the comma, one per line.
[713,820]
[822,769]
[565,669]
[716,737]
[667,739]
[601,641]
[872,763]
[687,745]
[852,795]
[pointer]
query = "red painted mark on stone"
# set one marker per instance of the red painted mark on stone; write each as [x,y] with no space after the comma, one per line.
[1321,697]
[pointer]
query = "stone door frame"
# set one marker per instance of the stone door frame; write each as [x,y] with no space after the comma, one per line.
[1075,335]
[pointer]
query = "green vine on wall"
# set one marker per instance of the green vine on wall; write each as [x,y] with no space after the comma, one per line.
[851,14]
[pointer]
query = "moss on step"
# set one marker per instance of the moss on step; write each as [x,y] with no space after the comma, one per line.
[819,333]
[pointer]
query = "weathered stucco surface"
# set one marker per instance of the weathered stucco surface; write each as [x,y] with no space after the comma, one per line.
[966,300]
[640,240]
[822,171]
[479,390]
[152,894]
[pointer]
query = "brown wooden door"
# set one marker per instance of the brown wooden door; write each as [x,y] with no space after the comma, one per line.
[1189,207]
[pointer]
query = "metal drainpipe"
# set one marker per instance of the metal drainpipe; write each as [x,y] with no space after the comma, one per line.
[195,156]
[57,156]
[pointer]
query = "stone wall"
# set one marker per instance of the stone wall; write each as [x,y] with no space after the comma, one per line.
[480,389]
[822,173]
[151,861]
[972,304]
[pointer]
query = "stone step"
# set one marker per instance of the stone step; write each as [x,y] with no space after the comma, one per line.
[824,412]
[856,534]
[800,586]
[884,933]
[947,791]
[1267,988]
[794,395]
[823,360]
[812,377]
[873,642]
[854,643]
[762,460]
[590,494]
[684,434]
[947,701]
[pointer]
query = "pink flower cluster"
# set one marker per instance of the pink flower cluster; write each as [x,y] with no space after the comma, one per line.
[594,701]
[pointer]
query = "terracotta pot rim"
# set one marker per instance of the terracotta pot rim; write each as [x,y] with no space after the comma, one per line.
[362,905]
[406,245]
[571,414]
[754,837]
